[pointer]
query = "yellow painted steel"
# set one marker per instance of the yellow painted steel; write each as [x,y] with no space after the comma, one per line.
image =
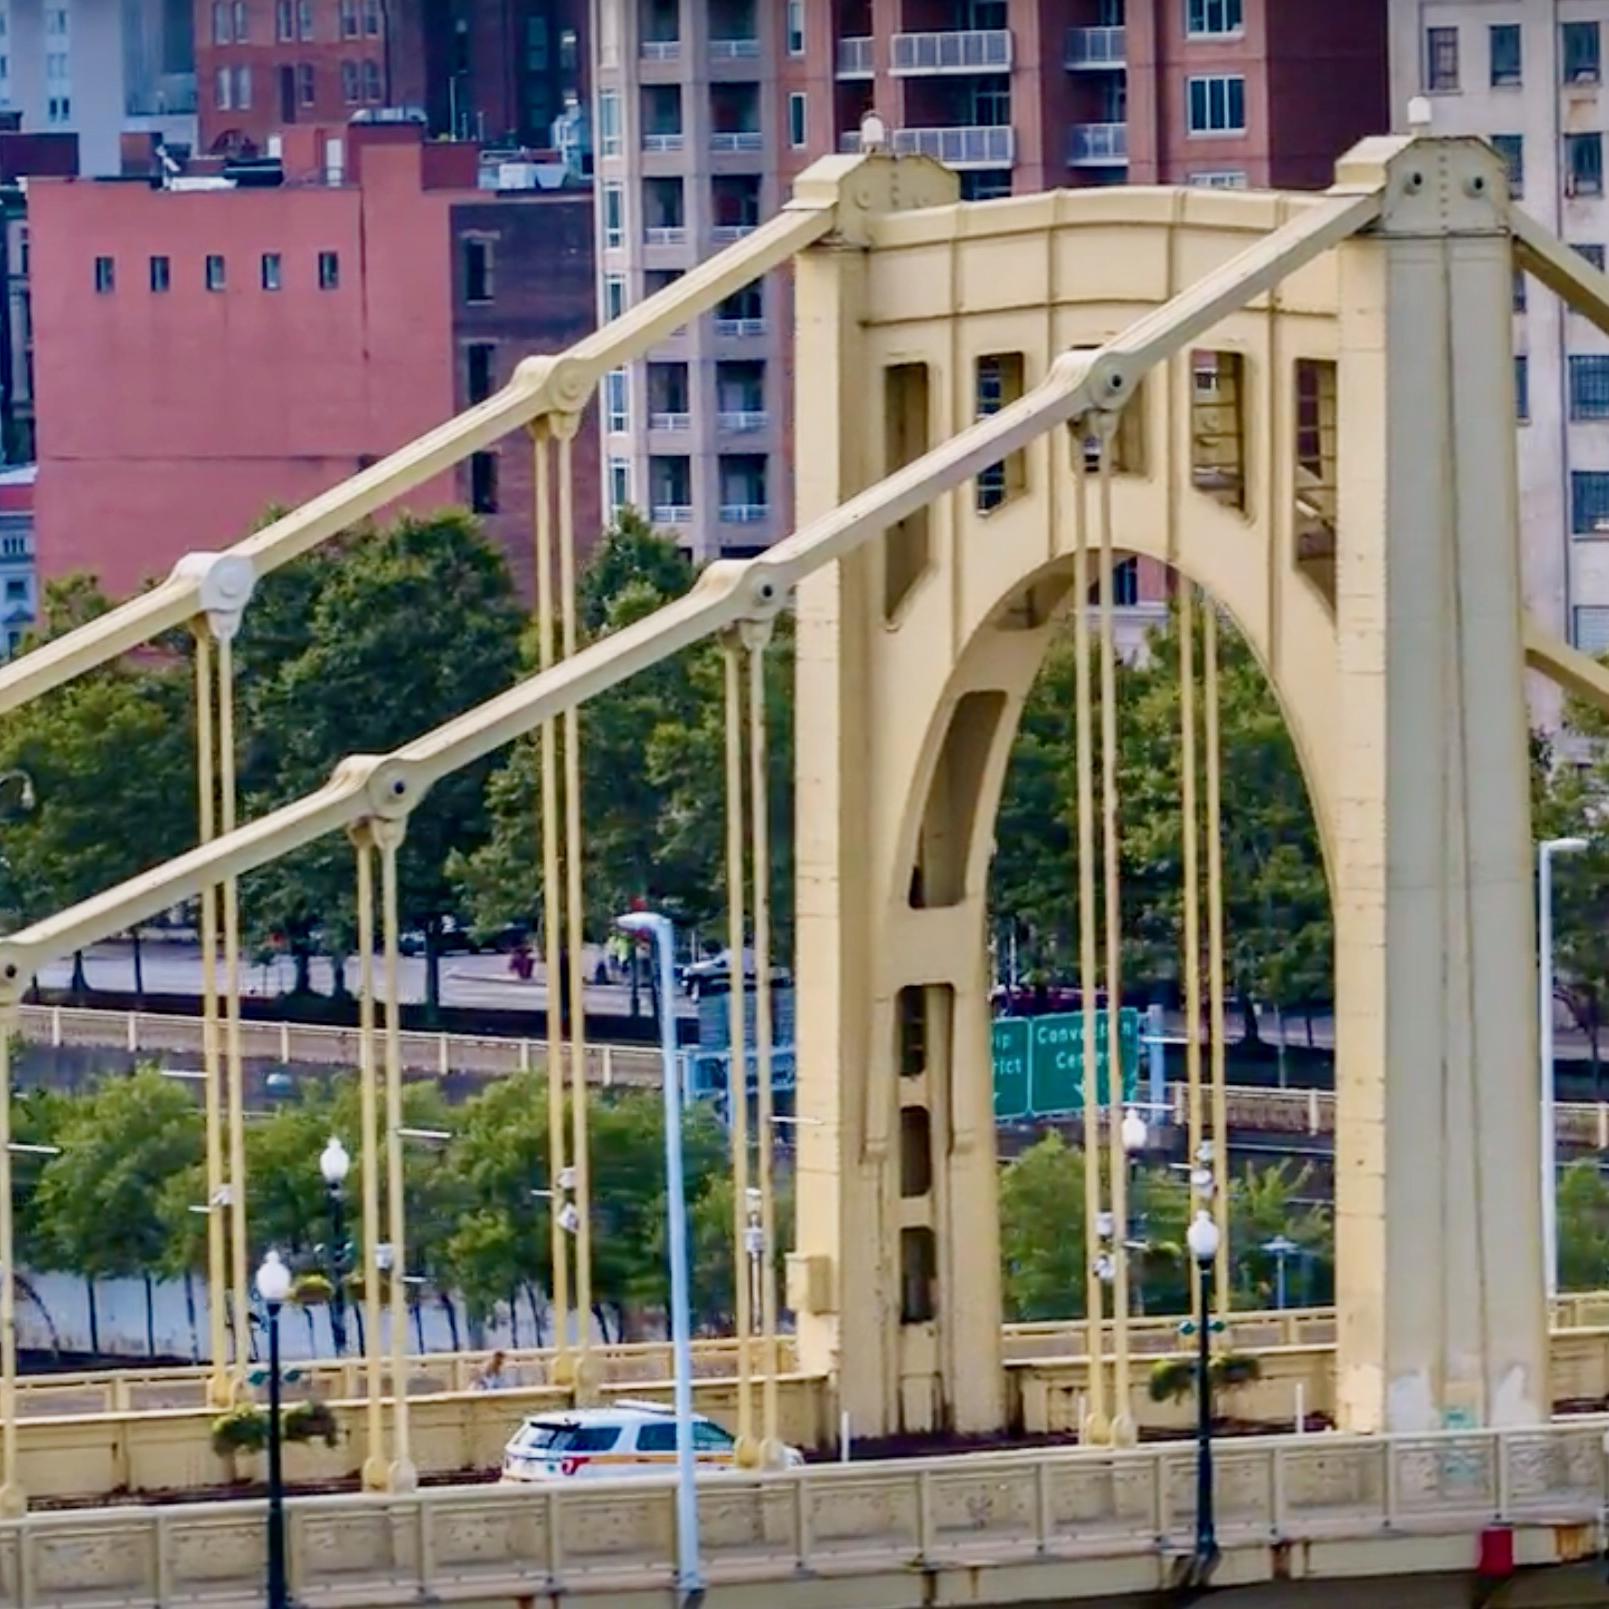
[1122,1415]
[1098,1427]
[1190,830]
[552,915]
[402,1476]
[564,428]
[376,1476]
[756,639]
[737,1082]
[13,1499]
[1215,953]
[220,1388]
[240,1289]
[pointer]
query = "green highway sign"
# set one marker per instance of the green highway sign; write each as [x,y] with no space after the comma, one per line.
[1039,1062]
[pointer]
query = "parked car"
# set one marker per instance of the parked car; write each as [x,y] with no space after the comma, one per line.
[630,1438]
[713,975]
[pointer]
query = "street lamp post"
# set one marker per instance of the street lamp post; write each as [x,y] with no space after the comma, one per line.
[273,1286]
[1203,1239]
[1279,1248]
[689,1579]
[334,1164]
[1135,1136]
[1550,1144]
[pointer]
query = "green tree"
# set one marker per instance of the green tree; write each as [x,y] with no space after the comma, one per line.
[1042,1232]
[98,1201]
[1267,1204]
[1583,1228]
[415,623]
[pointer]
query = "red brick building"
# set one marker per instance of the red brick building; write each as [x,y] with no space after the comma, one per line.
[200,355]
[491,73]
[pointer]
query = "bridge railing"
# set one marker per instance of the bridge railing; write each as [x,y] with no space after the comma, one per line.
[979,1512]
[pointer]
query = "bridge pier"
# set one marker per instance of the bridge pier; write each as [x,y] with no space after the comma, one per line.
[1440,1293]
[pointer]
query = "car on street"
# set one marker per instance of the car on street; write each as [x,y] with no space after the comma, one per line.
[630,1438]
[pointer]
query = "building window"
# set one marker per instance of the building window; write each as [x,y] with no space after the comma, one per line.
[161,274]
[273,271]
[1589,387]
[223,31]
[483,482]
[1217,105]
[478,357]
[371,83]
[304,19]
[616,405]
[223,89]
[60,109]
[243,89]
[609,122]
[56,20]
[798,120]
[1441,58]
[1583,160]
[1212,17]
[242,31]
[1580,52]
[349,82]
[1591,634]
[372,17]
[1589,502]
[620,483]
[105,276]
[56,66]
[1519,290]
[796,27]
[477,270]
[1219,179]
[349,19]
[216,276]
[999,381]
[614,215]
[329,270]
[1522,387]
[1505,39]
[285,20]
[1511,147]
[1593,254]
[306,83]
[614,296]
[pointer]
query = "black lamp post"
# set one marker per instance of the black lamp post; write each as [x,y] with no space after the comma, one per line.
[273,1286]
[334,1164]
[1203,1239]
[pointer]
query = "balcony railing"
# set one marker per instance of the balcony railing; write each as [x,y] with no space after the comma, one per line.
[968,146]
[740,326]
[671,513]
[856,58]
[726,233]
[1096,47]
[744,513]
[1098,145]
[971,50]
[734,49]
[670,421]
[661,50]
[740,421]
[737,140]
[666,235]
[662,142]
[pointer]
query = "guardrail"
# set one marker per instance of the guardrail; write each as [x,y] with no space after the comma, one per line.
[1030,1514]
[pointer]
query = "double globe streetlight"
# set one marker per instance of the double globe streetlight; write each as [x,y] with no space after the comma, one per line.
[273,1286]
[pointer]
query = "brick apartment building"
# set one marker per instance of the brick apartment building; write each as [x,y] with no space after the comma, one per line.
[201,354]
[706,109]
[493,73]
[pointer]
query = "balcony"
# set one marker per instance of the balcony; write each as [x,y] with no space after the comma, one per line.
[744,513]
[743,421]
[661,50]
[671,514]
[972,50]
[856,58]
[1096,48]
[723,234]
[734,49]
[1098,145]
[728,142]
[670,421]
[674,234]
[966,146]
[658,144]
[739,327]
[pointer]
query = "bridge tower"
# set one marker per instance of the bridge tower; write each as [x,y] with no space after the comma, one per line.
[1397,654]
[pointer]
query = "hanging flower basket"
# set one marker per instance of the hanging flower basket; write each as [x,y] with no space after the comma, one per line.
[241,1430]
[311,1421]
[312,1289]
